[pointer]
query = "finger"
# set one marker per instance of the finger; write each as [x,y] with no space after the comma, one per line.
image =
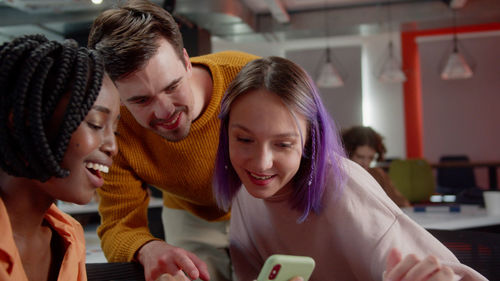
[400,270]
[297,278]
[423,269]
[444,274]
[393,259]
[200,265]
[185,263]
[163,267]
[165,277]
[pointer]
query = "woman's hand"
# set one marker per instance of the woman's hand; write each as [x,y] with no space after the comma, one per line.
[180,276]
[411,268]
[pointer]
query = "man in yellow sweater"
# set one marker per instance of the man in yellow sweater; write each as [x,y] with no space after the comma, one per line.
[167,137]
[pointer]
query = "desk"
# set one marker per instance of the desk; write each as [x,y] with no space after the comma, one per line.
[470,216]
[93,245]
[92,241]
[491,165]
[75,209]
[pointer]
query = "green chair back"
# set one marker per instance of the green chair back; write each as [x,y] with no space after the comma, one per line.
[413,178]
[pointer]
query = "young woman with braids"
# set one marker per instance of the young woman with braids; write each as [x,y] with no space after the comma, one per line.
[58,115]
[302,196]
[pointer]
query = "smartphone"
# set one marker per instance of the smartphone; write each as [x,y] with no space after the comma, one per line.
[285,267]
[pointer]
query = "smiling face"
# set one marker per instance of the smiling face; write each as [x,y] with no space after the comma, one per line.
[159,95]
[265,145]
[90,150]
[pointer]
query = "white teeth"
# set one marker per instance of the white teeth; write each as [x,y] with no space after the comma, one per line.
[97,167]
[260,177]
[171,122]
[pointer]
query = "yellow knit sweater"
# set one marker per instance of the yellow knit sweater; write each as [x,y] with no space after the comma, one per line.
[182,170]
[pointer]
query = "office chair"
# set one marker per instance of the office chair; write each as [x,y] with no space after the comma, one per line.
[459,181]
[478,250]
[413,178]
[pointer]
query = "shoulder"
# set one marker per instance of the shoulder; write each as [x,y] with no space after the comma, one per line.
[230,57]
[64,224]
[361,197]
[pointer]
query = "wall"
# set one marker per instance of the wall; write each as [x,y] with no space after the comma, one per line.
[461,116]
[343,103]
[381,104]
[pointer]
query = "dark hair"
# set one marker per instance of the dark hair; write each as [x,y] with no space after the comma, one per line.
[361,135]
[127,36]
[36,76]
[323,151]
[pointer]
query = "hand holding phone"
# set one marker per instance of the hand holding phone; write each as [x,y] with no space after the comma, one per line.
[285,267]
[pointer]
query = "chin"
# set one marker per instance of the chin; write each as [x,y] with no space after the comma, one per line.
[258,194]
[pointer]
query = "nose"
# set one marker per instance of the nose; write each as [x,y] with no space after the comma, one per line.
[162,107]
[263,159]
[109,145]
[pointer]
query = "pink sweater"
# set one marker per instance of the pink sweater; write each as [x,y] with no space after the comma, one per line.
[349,239]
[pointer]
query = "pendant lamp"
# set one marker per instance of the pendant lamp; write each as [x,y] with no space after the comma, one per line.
[391,71]
[329,76]
[456,66]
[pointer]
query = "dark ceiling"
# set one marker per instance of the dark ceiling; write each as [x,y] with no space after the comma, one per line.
[250,20]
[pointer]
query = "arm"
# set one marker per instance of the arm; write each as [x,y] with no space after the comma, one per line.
[123,204]
[366,204]
[413,268]
[411,238]
[385,182]
[245,258]
[124,228]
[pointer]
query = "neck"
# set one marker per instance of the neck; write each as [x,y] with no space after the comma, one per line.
[25,204]
[201,86]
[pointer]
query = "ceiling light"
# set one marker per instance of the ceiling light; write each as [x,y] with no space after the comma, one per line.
[97,2]
[329,76]
[391,72]
[456,66]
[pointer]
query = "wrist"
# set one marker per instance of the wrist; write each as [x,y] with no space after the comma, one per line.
[141,253]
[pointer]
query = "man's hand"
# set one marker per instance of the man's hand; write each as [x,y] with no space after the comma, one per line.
[412,268]
[158,257]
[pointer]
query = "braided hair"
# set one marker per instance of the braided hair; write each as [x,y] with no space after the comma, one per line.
[36,76]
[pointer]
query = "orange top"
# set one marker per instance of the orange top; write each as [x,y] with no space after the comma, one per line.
[182,170]
[73,264]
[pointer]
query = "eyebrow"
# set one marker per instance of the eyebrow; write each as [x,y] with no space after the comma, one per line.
[169,85]
[285,135]
[101,109]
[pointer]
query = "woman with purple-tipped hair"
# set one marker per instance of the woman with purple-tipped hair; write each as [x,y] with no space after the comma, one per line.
[302,196]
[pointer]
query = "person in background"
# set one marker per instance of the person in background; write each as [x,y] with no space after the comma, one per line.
[301,196]
[58,115]
[363,145]
[168,139]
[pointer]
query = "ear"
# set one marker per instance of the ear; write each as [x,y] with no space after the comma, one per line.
[187,62]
